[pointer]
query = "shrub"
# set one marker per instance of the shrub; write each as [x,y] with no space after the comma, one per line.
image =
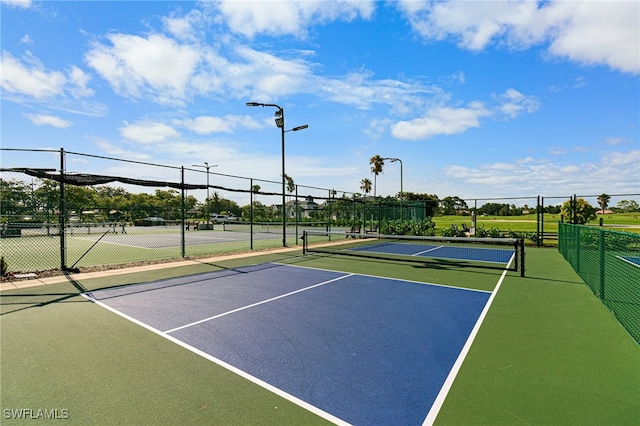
[453,231]
[399,227]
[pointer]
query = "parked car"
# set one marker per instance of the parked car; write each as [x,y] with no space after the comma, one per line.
[155,219]
[150,221]
[216,217]
[219,217]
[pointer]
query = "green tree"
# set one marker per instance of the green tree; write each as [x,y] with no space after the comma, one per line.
[14,197]
[581,209]
[628,205]
[365,186]
[452,205]
[291,186]
[377,165]
[603,201]
[80,198]
[215,198]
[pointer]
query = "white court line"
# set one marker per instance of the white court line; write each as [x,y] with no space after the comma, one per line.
[256,304]
[313,409]
[427,251]
[386,278]
[446,387]
[115,244]
[628,261]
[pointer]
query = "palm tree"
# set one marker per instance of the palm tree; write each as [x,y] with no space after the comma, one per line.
[365,186]
[216,201]
[603,201]
[255,189]
[377,164]
[291,186]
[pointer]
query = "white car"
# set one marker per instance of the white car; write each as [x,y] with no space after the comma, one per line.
[219,217]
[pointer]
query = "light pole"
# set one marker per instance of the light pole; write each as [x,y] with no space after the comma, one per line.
[393,160]
[280,123]
[206,166]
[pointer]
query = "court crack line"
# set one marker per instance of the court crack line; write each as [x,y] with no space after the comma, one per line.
[257,303]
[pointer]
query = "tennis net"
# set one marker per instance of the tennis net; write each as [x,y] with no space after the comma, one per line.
[274,227]
[495,253]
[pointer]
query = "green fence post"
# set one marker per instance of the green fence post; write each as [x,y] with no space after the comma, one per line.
[601,259]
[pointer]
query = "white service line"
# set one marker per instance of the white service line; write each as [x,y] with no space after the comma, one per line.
[256,304]
[229,367]
[442,395]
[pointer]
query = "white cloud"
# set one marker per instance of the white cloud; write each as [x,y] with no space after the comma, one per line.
[78,81]
[512,103]
[49,120]
[205,125]
[441,121]
[362,90]
[445,120]
[187,27]
[618,172]
[269,76]
[288,17]
[25,4]
[27,77]
[148,132]
[612,141]
[156,66]
[30,77]
[597,32]
[119,152]
[587,32]
[616,159]
[377,128]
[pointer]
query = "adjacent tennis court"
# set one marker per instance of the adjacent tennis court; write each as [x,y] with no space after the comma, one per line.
[352,348]
[633,260]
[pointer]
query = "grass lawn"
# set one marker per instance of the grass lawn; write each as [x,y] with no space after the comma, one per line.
[627,222]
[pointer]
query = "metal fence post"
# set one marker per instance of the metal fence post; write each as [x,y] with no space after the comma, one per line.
[182,214]
[63,214]
[251,213]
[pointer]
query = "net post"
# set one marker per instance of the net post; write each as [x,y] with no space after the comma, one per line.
[304,242]
[521,244]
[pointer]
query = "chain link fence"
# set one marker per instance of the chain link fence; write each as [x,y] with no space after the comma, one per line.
[609,263]
[63,210]
[67,210]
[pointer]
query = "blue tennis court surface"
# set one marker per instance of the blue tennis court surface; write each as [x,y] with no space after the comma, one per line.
[365,350]
[495,255]
[634,260]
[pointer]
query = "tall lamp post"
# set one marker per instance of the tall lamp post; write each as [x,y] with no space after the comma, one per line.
[393,160]
[280,123]
[206,166]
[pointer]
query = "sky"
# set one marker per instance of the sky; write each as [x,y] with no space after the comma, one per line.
[477,99]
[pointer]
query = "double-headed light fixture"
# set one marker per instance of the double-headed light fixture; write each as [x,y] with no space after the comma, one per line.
[206,166]
[280,123]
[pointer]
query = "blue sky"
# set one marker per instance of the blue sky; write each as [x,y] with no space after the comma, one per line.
[478,99]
